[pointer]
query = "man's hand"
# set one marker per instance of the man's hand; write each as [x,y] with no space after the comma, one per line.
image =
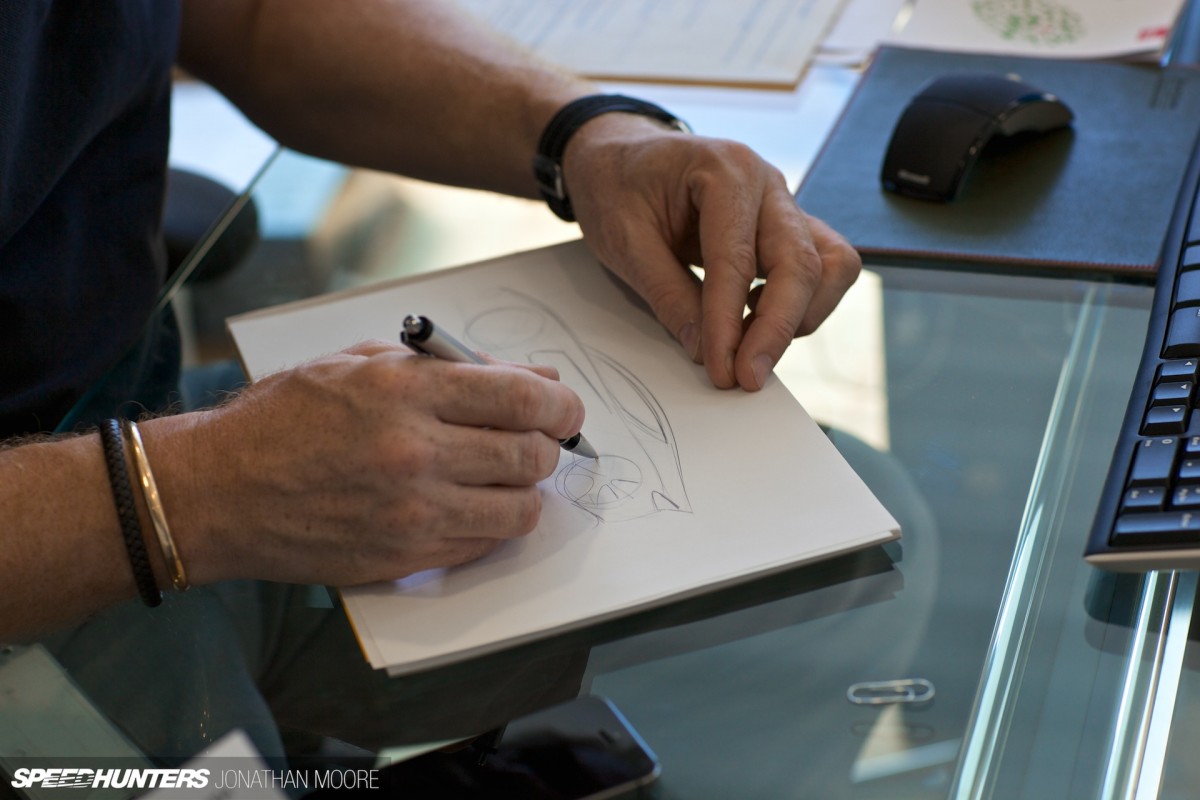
[652,201]
[368,465]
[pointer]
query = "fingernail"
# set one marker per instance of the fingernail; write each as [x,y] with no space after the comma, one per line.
[762,368]
[689,337]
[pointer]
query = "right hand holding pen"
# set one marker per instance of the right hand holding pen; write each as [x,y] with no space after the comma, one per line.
[367,465]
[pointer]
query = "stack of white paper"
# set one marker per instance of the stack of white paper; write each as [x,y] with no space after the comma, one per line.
[695,488]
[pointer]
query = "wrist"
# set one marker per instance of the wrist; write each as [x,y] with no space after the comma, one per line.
[588,117]
[184,476]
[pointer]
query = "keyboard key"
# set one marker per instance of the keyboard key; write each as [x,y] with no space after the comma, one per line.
[1193,234]
[1190,258]
[1191,447]
[1183,369]
[1153,462]
[1172,392]
[1183,334]
[1185,497]
[1164,527]
[1187,291]
[1146,498]
[1189,471]
[1164,420]
[1179,370]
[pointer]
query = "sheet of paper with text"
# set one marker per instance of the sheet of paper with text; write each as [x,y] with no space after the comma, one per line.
[765,43]
[695,488]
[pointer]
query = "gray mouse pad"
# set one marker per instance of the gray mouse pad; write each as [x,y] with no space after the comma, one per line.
[1096,196]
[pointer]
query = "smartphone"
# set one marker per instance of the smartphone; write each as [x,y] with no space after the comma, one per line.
[583,749]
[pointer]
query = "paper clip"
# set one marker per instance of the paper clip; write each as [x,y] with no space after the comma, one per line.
[882,693]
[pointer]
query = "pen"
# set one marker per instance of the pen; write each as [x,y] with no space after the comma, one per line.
[423,337]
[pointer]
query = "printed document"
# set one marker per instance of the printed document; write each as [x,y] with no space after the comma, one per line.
[767,42]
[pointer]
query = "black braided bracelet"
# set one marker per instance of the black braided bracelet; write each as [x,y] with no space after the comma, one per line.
[131,527]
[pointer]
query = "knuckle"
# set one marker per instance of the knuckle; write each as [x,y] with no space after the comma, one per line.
[740,165]
[537,455]
[529,510]
[660,294]
[409,456]
[778,327]
[849,266]
[473,550]
[416,514]
[374,377]
[736,154]
[308,375]
[809,269]
[775,176]
[743,259]
[546,371]
[366,347]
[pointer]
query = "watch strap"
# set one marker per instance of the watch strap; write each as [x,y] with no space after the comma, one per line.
[547,164]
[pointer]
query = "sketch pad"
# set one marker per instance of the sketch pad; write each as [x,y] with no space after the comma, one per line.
[1095,197]
[696,488]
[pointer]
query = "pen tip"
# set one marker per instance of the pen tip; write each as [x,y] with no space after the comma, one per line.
[584,448]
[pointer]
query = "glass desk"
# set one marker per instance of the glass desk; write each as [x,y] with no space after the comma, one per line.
[981,409]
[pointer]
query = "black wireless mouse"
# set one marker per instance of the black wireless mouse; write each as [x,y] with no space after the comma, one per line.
[947,124]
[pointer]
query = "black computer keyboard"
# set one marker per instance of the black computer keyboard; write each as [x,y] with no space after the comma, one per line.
[1149,513]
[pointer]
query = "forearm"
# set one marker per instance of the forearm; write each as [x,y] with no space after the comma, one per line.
[62,556]
[414,87]
[62,551]
[411,86]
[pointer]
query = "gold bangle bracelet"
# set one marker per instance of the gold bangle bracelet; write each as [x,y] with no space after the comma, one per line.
[154,504]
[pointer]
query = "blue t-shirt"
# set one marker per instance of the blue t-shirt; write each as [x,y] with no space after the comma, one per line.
[84,123]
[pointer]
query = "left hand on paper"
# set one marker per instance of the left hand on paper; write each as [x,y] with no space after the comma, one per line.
[652,201]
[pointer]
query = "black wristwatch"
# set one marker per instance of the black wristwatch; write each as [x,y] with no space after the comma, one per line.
[547,164]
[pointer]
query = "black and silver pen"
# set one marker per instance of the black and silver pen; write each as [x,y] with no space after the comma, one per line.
[422,336]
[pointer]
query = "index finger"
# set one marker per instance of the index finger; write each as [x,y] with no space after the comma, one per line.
[727,242]
[545,370]
[506,397]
